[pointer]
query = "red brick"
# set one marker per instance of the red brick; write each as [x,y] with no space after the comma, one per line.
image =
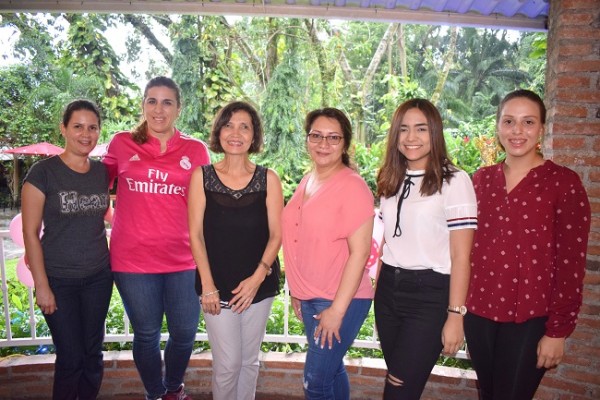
[584,376]
[568,110]
[572,159]
[578,65]
[575,128]
[590,295]
[590,309]
[581,334]
[366,381]
[593,250]
[579,96]
[566,82]
[544,394]
[563,385]
[593,190]
[583,49]
[571,143]
[579,5]
[584,349]
[595,175]
[576,18]
[593,323]
[578,32]
[580,361]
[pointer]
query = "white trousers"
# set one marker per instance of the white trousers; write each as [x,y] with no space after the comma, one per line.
[235,341]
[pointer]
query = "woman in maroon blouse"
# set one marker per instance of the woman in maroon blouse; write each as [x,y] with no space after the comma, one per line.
[528,257]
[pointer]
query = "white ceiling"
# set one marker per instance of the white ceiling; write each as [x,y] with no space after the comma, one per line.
[510,14]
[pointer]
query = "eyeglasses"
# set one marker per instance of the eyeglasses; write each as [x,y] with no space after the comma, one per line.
[314,137]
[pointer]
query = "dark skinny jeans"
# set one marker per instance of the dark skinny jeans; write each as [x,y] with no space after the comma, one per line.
[410,312]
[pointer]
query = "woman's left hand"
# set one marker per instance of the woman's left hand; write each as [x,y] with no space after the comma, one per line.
[244,294]
[330,322]
[453,334]
[550,352]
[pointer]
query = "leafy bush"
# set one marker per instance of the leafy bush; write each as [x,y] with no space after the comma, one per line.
[461,143]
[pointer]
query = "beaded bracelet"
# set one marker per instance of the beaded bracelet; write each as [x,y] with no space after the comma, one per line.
[209,293]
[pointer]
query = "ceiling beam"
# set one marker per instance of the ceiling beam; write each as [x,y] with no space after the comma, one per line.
[278,10]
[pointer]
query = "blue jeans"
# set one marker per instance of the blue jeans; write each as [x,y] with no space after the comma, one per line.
[77,328]
[147,298]
[325,375]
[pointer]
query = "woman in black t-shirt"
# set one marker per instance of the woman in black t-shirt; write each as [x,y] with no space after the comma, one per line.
[70,263]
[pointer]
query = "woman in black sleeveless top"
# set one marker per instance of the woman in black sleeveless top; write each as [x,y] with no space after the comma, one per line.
[234,217]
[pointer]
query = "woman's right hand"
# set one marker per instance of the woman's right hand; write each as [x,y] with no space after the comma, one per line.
[44,298]
[210,302]
[297,308]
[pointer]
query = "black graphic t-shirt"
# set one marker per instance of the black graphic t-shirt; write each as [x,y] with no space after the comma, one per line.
[74,239]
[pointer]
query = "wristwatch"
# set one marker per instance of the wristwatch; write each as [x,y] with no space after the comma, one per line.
[462,310]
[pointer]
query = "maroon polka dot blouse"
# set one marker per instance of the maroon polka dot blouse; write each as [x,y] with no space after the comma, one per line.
[529,251]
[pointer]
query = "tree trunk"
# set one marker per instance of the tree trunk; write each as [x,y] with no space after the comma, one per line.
[140,25]
[326,72]
[402,52]
[272,40]
[446,67]
[254,61]
[370,74]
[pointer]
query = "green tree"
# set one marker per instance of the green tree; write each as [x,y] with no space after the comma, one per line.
[283,109]
[88,53]
[202,63]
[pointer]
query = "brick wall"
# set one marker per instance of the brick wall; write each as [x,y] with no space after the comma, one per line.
[573,133]
[30,377]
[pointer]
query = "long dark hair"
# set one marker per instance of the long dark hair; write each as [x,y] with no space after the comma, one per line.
[140,132]
[439,167]
[339,116]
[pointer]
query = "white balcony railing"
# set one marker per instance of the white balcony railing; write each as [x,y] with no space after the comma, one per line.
[8,337]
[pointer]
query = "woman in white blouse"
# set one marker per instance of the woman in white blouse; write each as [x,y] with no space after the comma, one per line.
[429,212]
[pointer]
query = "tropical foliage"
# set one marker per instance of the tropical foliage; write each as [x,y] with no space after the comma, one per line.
[284,66]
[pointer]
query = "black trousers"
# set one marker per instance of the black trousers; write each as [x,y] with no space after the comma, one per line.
[410,312]
[504,355]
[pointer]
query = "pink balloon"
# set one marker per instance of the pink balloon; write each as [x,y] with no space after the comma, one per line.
[23,273]
[373,259]
[15,229]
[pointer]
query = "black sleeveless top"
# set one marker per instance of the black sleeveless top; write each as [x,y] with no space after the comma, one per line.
[236,232]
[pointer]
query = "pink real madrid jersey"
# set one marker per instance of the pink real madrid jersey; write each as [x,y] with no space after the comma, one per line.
[150,229]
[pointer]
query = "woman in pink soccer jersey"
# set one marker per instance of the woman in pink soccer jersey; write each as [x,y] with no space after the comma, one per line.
[150,249]
[528,257]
